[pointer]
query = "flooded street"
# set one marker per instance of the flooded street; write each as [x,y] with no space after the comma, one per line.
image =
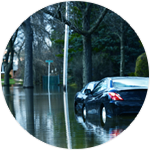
[43,116]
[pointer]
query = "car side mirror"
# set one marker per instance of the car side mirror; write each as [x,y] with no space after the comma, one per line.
[87,91]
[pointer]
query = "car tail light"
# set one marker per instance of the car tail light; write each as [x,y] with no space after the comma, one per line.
[115,132]
[115,96]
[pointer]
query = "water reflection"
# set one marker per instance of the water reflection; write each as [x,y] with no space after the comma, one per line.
[49,101]
[29,105]
[105,132]
[53,88]
[67,120]
[63,128]
[9,100]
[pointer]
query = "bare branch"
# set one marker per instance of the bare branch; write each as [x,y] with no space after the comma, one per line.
[99,20]
[72,26]
[61,18]
[89,5]
[15,36]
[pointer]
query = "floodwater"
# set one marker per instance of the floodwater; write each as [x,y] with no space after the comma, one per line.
[45,116]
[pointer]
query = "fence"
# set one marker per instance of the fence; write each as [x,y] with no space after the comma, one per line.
[54,81]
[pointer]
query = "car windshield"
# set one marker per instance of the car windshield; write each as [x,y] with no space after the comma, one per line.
[131,82]
[100,86]
[90,86]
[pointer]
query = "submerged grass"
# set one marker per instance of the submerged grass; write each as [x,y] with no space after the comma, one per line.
[74,85]
[12,81]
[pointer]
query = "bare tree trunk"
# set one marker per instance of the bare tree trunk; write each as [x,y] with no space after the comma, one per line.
[6,77]
[87,50]
[28,71]
[122,51]
[10,53]
[87,60]
[8,65]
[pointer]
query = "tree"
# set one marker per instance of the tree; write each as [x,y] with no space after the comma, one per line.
[88,28]
[118,27]
[141,68]
[28,71]
[9,58]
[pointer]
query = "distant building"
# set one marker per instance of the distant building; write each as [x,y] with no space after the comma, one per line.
[15,67]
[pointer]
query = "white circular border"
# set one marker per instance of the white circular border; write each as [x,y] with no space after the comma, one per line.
[13,13]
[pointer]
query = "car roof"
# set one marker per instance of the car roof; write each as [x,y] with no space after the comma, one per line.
[123,77]
[127,77]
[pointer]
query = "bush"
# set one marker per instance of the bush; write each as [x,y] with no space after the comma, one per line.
[141,68]
[131,74]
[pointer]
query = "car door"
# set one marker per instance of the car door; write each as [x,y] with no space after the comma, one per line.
[81,96]
[93,98]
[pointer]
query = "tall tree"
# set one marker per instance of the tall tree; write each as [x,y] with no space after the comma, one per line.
[28,70]
[119,27]
[86,29]
[9,58]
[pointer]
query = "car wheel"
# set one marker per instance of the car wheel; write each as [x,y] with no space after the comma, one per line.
[103,115]
[84,113]
[75,107]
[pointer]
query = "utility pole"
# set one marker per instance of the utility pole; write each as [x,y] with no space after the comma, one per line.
[65,64]
[65,69]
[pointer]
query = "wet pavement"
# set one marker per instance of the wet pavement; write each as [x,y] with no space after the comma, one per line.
[45,116]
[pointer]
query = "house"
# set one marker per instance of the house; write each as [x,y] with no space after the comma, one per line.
[15,66]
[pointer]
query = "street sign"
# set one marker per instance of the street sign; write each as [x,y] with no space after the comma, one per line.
[49,61]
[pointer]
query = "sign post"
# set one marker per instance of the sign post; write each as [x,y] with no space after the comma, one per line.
[49,62]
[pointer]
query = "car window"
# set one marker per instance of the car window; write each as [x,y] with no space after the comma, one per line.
[82,91]
[88,86]
[130,82]
[101,86]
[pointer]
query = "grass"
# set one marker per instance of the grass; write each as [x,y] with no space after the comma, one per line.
[74,85]
[12,81]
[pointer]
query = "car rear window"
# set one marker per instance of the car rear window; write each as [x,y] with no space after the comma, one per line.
[133,94]
[130,82]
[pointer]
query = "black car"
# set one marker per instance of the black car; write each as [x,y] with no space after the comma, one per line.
[81,96]
[114,96]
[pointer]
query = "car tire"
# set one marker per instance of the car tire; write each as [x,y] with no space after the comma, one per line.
[75,107]
[84,113]
[103,115]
